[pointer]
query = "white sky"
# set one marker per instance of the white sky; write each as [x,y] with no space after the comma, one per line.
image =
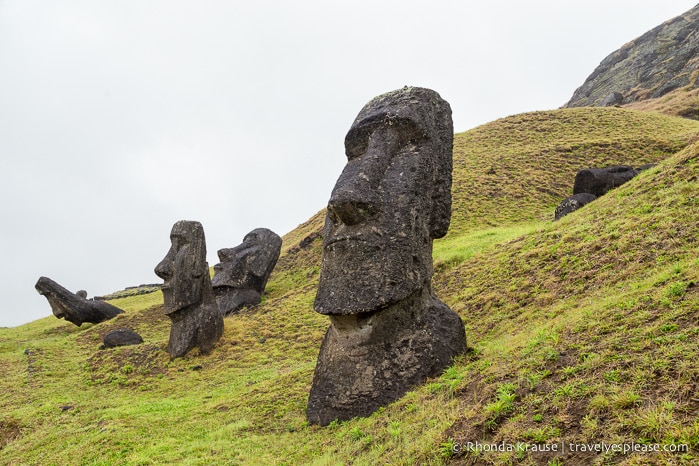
[118,118]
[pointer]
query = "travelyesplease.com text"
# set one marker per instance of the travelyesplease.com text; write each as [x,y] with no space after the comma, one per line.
[563,447]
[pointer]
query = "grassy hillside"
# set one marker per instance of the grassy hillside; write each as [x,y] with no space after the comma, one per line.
[580,330]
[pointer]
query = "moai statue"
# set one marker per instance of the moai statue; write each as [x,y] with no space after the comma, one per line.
[599,181]
[388,331]
[74,307]
[241,276]
[187,292]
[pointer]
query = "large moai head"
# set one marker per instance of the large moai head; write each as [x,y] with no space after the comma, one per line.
[391,200]
[388,331]
[184,269]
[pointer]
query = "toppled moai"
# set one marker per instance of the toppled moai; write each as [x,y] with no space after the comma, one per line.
[241,276]
[74,307]
[388,331]
[187,293]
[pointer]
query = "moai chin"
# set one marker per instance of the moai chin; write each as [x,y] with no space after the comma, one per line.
[241,276]
[187,293]
[388,331]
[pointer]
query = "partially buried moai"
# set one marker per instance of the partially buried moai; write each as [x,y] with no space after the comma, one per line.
[388,331]
[241,276]
[187,293]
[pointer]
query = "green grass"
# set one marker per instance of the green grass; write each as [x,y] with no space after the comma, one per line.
[582,330]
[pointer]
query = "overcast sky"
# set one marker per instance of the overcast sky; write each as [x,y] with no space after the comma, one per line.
[118,118]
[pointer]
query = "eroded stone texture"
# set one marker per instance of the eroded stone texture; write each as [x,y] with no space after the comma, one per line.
[187,293]
[241,276]
[573,203]
[599,181]
[73,307]
[388,331]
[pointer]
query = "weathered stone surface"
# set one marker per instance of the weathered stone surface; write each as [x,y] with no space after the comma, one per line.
[74,308]
[661,60]
[121,337]
[241,276]
[573,203]
[187,293]
[598,181]
[370,360]
[388,331]
[612,99]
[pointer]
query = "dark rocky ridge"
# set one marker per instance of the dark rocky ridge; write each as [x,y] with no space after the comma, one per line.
[661,60]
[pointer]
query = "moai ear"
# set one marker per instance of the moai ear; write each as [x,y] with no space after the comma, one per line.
[198,250]
[442,143]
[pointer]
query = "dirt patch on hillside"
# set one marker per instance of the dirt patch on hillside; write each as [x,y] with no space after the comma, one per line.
[9,431]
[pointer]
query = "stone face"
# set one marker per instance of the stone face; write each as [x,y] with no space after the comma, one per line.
[187,293]
[73,307]
[388,331]
[392,198]
[121,337]
[241,276]
[598,181]
[661,60]
[573,203]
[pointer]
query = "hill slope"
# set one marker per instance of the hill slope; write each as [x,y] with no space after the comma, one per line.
[580,330]
[661,60]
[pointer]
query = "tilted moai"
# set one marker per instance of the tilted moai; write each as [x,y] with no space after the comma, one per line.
[388,331]
[74,307]
[187,293]
[241,276]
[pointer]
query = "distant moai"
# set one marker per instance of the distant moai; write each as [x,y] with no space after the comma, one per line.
[388,331]
[592,183]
